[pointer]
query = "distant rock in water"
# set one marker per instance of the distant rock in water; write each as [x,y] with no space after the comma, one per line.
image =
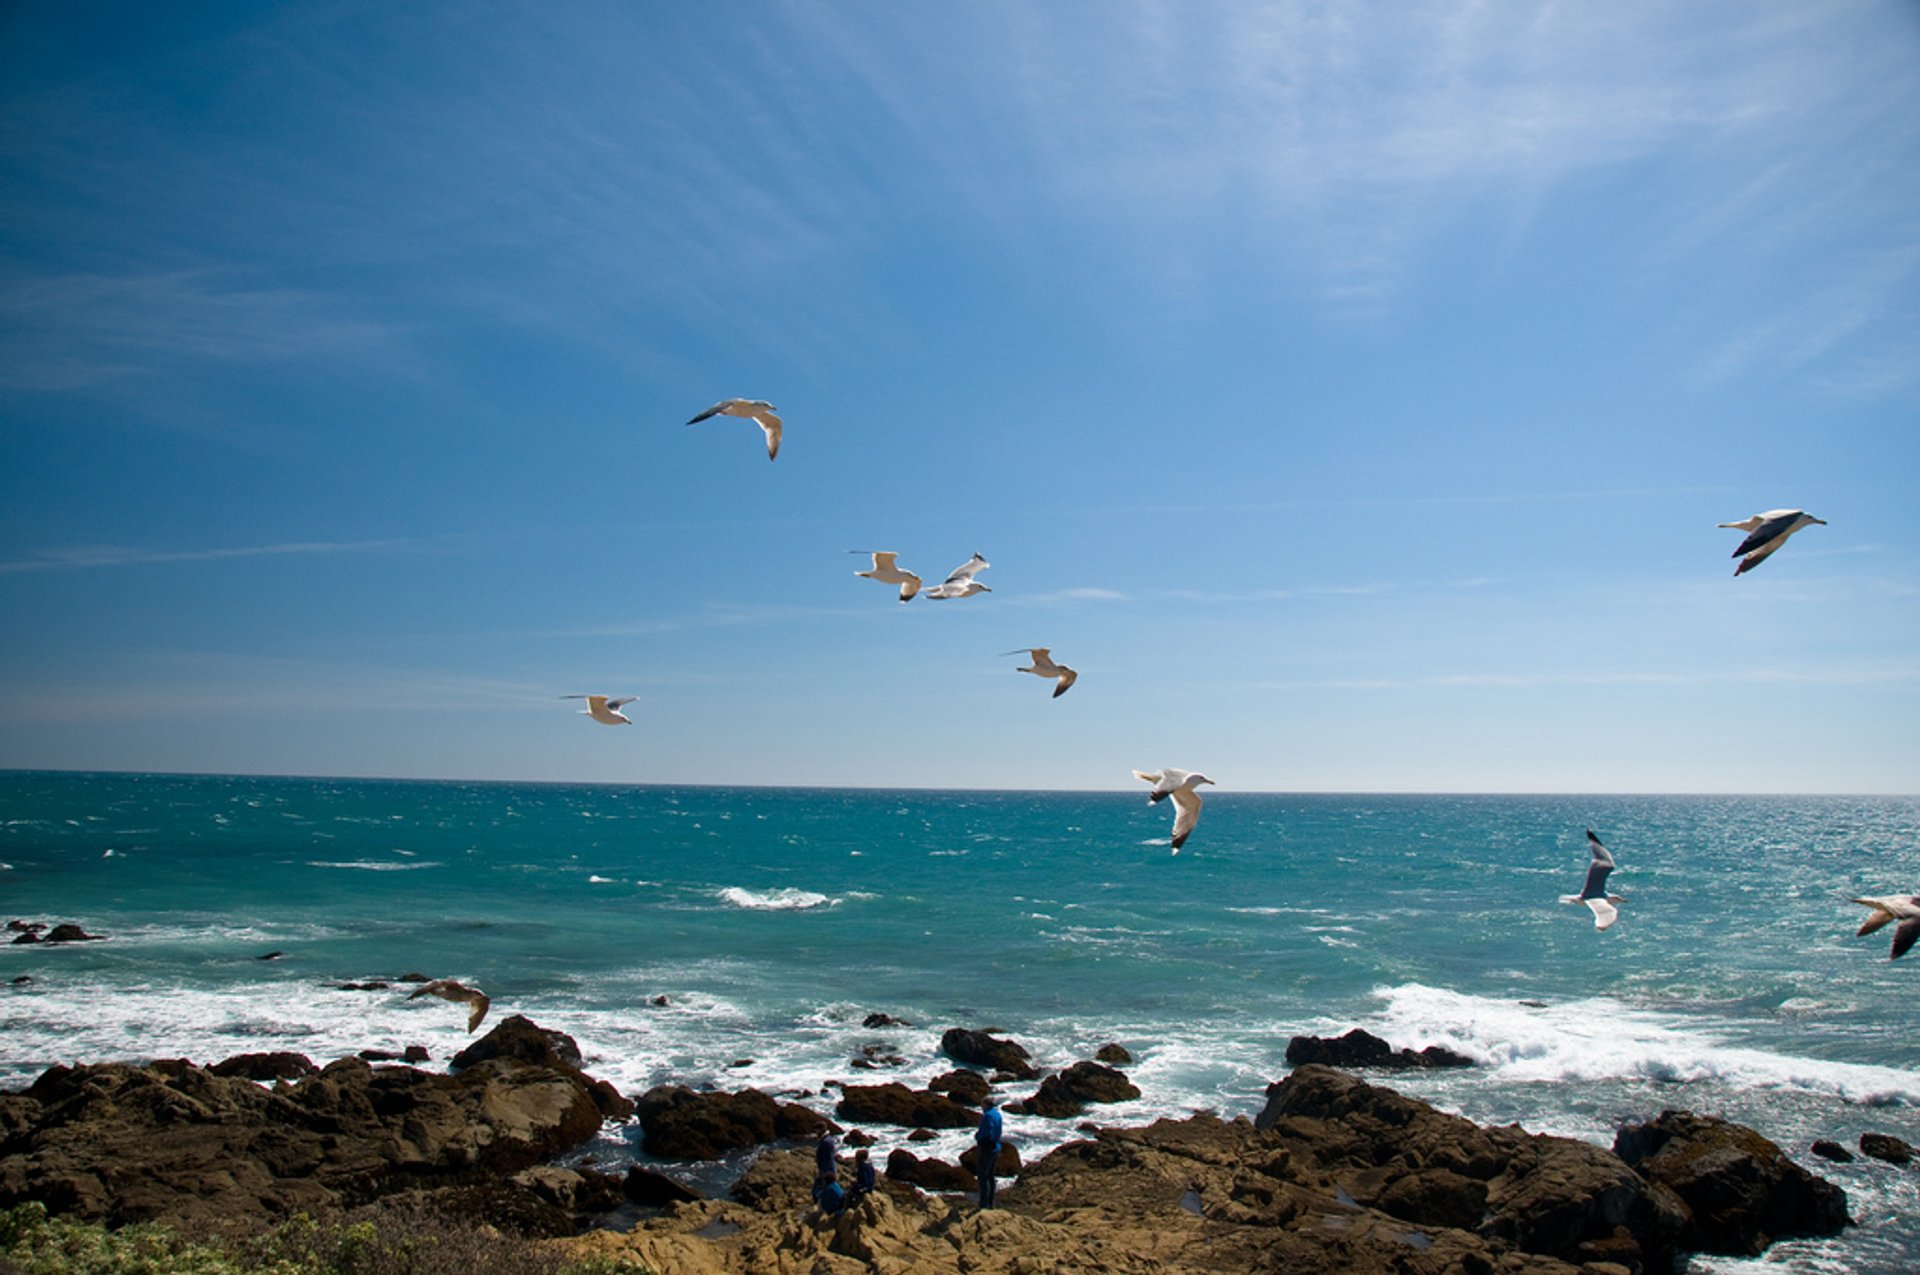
[282,1065]
[983,1050]
[1114,1055]
[1884,1146]
[1833,1151]
[883,1020]
[1363,1049]
[1066,1094]
[274,955]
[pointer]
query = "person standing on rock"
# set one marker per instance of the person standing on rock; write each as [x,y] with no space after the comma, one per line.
[826,1156]
[986,1140]
[863,1178]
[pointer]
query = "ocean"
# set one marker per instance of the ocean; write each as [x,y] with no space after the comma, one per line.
[738,937]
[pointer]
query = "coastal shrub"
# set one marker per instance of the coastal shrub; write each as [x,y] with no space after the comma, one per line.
[409,1241]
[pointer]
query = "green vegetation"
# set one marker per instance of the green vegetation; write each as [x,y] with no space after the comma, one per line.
[389,1242]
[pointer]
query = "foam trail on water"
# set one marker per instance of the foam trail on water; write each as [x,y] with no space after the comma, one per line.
[1604,1039]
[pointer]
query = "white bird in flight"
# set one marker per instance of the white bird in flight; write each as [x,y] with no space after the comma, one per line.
[754,409]
[604,710]
[1182,786]
[961,584]
[1594,892]
[886,572]
[1767,532]
[448,990]
[1904,908]
[1043,666]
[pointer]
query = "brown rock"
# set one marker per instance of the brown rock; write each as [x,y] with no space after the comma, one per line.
[928,1174]
[682,1124]
[962,1085]
[896,1104]
[1363,1049]
[979,1049]
[1884,1146]
[1741,1190]
[70,934]
[270,1066]
[1113,1055]
[1065,1094]
[656,1190]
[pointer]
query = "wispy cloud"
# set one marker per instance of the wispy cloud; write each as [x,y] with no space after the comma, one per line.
[80,557]
[1869,673]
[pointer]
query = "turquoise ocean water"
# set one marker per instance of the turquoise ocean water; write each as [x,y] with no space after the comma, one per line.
[774,920]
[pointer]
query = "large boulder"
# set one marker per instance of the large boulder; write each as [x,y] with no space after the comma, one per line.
[981,1049]
[1360,1048]
[679,1123]
[280,1065]
[123,1143]
[1741,1191]
[928,1174]
[1066,1094]
[521,1040]
[896,1104]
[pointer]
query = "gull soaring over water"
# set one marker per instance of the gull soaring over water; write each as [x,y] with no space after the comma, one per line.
[1767,532]
[1043,666]
[1182,786]
[604,710]
[961,584]
[754,409]
[1904,908]
[886,572]
[448,990]
[1594,892]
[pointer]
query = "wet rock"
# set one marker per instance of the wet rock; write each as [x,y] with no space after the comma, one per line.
[282,1065]
[896,1104]
[1740,1190]
[962,1085]
[981,1049]
[928,1174]
[1113,1055]
[1833,1151]
[70,934]
[1007,1164]
[656,1190]
[521,1040]
[1884,1146]
[883,1020]
[682,1124]
[1363,1049]
[1066,1094]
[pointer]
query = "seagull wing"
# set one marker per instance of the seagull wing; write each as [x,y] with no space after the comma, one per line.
[1880,915]
[448,990]
[1772,524]
[771,424]
[1903,938]
[624,699]
[1159,782]
[1597,870]
[1604,913]
[909,585]
[1188,815]
[1067,678]
[968,570]
[715,410]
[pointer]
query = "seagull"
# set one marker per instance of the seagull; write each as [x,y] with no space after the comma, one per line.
[1904,908]
[448,990]
[1043,666]
[1767,532]
[961,584]
[1594,892]
[754,409]
[887,573]
[603,710]
[1182,786]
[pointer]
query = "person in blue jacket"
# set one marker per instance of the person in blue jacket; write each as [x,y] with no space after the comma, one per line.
[863,1178]
[986,1140]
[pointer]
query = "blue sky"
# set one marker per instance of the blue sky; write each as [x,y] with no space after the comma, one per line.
[1349,392]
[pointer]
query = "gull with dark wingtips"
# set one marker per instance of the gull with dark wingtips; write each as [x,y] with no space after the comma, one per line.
[1904,908]
[886,571]
[1594,892]
[1767,532]
[604,710]
[754,409]
[1043,666]
[1183,787]
[961,584]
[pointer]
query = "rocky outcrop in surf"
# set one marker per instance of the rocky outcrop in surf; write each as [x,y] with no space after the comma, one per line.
[1360,1048]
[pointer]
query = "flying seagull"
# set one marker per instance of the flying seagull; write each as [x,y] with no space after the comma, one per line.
[961,584]
[1904,908]
[1594,892]
[1043,666]
[448,990]
[1181,785]
[1767,532]
[754,409]
[603,710]
[886,572]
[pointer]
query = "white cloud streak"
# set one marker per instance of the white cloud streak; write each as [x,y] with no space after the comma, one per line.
[84,557]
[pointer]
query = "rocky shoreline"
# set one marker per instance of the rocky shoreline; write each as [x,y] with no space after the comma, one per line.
[1335,1174]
